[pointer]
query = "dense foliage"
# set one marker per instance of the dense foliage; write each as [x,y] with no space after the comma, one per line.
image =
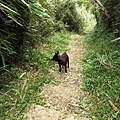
[102,75]
[29,32]
[108,16]
[28,38]
[23,87]
[14,21]
[23,23]
[66,12]
[102,63]
[15,17]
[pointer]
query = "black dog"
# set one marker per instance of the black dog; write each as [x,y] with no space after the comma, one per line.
[62,60]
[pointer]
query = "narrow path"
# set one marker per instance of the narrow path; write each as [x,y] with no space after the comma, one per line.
[64,99]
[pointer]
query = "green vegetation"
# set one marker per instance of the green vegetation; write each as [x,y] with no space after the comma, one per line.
[29,36]
[26,84]
[32,30]
[102,63]
[15,29]
[107,14]
[24,23]
[102,75]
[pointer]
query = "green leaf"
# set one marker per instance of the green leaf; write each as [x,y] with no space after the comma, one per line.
[8,8]
[25,3]
[24,85]
[22,75]
[3,60]
[23,97]
[15,20]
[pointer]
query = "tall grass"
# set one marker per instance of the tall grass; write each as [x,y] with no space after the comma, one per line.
[27,81]
[111,23]
[102,75]
[15,23]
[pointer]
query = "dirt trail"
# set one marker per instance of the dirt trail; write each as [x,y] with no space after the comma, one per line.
[64,99]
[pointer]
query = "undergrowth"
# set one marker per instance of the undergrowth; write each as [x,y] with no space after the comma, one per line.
[21,86]
[102,75]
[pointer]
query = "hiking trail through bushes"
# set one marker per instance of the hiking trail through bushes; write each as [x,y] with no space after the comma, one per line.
[64,99]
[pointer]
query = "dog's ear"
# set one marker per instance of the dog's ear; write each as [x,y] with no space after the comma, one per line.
[57,53]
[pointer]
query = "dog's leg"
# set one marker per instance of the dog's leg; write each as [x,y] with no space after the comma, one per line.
[68,61]
[65,69]
[59,67]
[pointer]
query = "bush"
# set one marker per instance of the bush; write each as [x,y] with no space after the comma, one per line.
[101,72]
[67,13]
[14,21]
[111,23]
[16,24]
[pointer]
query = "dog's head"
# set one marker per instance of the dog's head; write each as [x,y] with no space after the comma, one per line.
[55,57]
